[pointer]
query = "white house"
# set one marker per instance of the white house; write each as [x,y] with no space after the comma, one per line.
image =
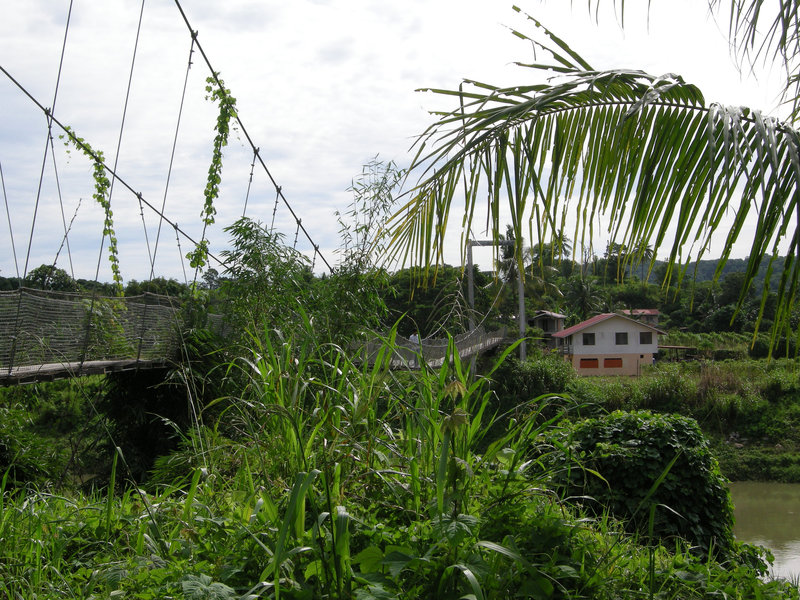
[609,344]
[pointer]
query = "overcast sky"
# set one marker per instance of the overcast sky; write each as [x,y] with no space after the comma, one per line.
[322,87]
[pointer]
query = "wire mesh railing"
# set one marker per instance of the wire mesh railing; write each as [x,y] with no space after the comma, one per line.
[410,353]
[40,328]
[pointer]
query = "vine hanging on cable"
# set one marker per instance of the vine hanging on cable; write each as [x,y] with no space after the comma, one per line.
[102,184]
[216,92]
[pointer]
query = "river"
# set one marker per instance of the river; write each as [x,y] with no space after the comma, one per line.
[768,514]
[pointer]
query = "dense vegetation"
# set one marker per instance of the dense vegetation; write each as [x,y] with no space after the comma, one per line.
[326,477]
[280,464]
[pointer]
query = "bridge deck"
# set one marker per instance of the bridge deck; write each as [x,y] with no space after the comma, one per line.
[408,354]
[53,371]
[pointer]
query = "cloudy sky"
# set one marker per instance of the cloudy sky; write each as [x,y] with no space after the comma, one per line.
[322,86]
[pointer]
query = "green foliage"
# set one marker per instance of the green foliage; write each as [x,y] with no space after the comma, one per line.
[102,185]
[517,382]
[323,476]
[49,433]
[758,463]
[616,461]
[428,305]
[215,92]
[668,390]
[351,299]
[157,285]
[265,280]
[106,332]
[50,277]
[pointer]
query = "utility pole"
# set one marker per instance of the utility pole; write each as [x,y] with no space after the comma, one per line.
[522,321]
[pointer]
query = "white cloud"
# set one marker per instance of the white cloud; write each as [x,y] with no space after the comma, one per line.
[322,87]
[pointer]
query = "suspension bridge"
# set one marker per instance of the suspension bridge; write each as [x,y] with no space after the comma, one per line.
[48,335]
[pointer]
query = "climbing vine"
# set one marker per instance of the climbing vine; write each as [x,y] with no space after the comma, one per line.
[216,92]
[102,184]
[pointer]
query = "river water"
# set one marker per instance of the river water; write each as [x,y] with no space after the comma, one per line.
[768,514]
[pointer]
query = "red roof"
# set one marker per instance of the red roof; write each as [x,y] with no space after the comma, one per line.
[598,319]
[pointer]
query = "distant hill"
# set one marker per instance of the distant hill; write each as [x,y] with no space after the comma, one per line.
[705,270]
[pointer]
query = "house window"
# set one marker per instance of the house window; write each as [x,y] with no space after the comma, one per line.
[622,338]
[612,363]
[589,363]
[588,339]
[645,337]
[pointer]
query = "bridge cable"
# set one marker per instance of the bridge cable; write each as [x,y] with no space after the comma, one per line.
[121,130]
[164,203]
[275,209]
[90,153]
[250,182]
[247,136]
[50,118]
[172,161]
[8,215]
[180,254]
[111,189]
[65,239]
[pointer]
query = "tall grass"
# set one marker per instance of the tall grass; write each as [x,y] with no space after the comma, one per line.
[330,476]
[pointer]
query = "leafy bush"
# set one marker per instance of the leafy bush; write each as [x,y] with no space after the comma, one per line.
[618,459]
[669,390]
[517,382]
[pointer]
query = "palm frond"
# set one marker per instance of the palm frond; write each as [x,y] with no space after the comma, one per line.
[646,153]
[759,31]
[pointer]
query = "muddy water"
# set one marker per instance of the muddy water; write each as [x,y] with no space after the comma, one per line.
[768,514]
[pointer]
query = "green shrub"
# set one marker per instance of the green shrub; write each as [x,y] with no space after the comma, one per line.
[517,382]
[616,460]
[669,390]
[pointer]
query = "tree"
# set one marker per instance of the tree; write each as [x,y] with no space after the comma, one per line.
[583,296]
[646,151]
[50,277]
[265,280]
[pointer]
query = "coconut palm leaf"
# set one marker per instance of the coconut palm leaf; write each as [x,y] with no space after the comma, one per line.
[759,31]
[646,153]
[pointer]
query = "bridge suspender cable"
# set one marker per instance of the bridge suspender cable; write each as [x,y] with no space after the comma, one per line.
[249,139]
[65,239]
[50,118]
[164,203]
[250,181]
[89,152]
[111,191]
[49,115]
[169,170]
[8,215]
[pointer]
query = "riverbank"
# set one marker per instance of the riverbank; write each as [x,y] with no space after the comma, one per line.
[749,409]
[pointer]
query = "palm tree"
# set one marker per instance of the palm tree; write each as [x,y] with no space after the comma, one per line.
[584,297]
[646,151]
[643,255]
